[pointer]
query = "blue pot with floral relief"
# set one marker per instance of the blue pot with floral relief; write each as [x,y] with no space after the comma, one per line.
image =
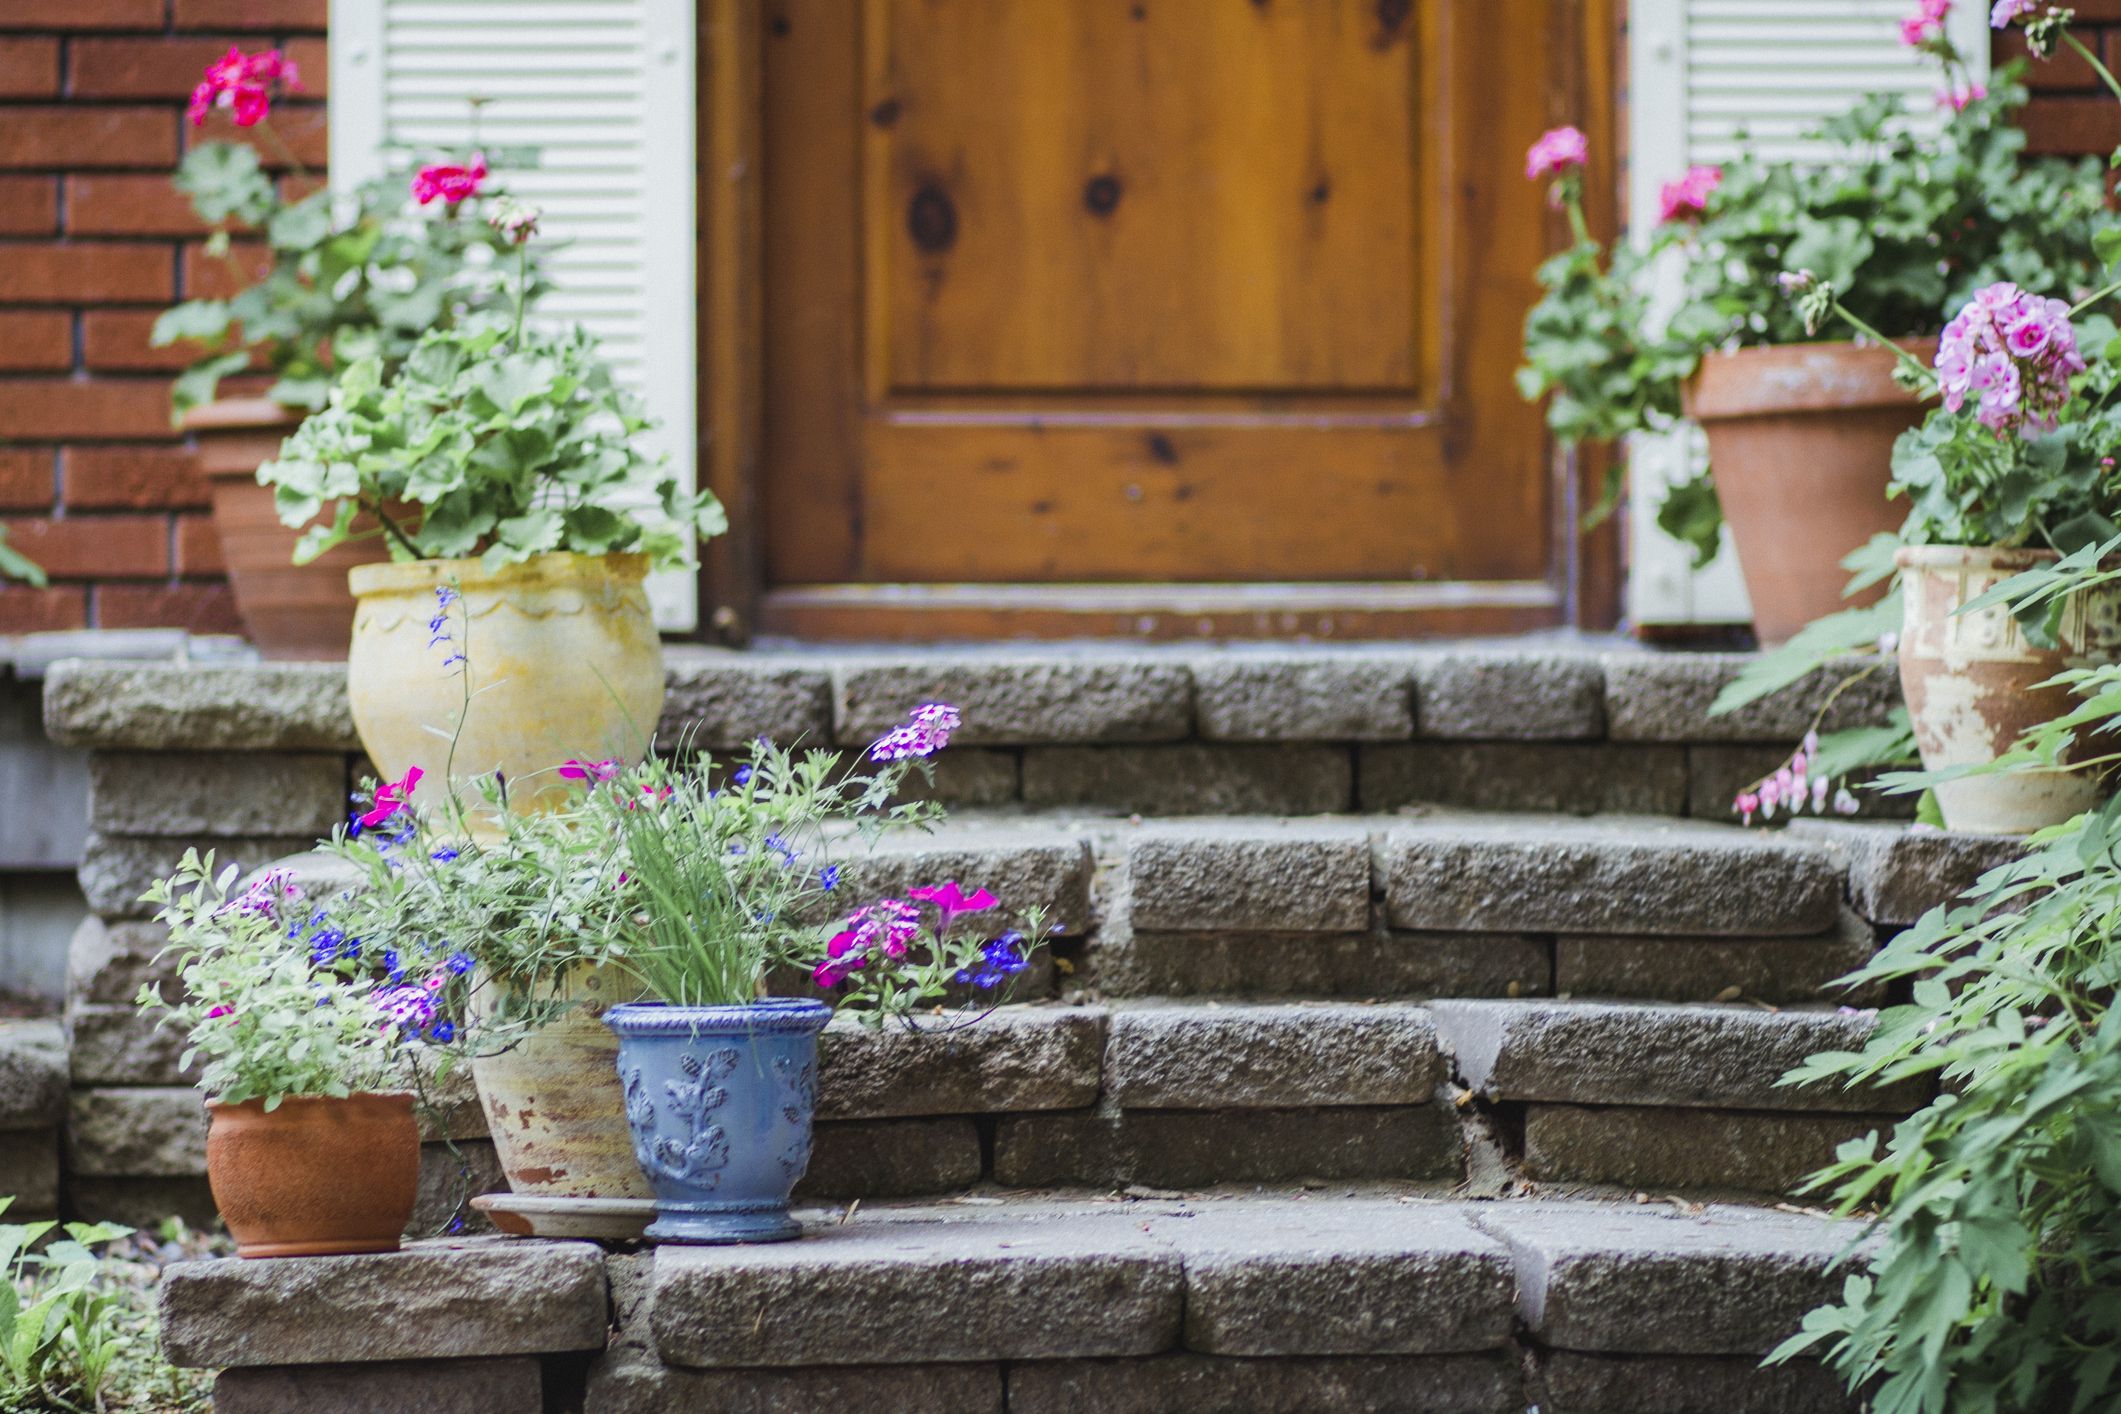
[720,1100]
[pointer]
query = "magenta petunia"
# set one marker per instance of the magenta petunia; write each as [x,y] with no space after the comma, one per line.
[953,900]
[391,797]
[592,771]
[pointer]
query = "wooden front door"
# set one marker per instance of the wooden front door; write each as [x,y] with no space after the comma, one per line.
[1157,316]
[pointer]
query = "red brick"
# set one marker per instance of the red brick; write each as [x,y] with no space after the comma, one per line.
[2092,12]
[27,610]
[300,128]
[2071,126]
[117,340]
[29,67]
[26,478]
[133,478]
[94,547]
[312,59]
[164,66]
[59,137]
[220,276]
[91,409]
[252,14]
[81,14]
[199,548]
[52,272]
[2065,71]
[200,608]
[36,340]
[128,204]
[29,206]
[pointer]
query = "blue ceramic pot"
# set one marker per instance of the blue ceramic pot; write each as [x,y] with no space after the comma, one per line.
[720,1100]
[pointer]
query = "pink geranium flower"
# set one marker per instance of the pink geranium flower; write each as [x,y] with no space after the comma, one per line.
[2012,354]
[1926,24]
[2005,11]
[1689,196]
[391,797]
[1959,95]
[243,84]
[1557,151]
[449,182]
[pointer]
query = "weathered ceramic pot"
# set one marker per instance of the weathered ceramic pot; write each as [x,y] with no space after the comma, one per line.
[720,1099]
[537,663]
[1801,444]
[315,1177]
[1970,683]
[289,611]
[552,1100]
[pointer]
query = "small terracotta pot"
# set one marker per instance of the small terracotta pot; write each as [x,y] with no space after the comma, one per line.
[1969,681]
[289,610]
[316,1177]
[1801,444]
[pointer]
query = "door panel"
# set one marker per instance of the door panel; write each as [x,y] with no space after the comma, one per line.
[1159,292]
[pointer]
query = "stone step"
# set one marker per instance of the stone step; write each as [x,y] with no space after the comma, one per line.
[1053,1302]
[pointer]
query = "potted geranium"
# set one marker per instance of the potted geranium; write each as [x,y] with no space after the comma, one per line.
[305,1048]
[366,276]
[1799,425]
[501,461]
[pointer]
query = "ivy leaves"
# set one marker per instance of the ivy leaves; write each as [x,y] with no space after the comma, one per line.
[489,443]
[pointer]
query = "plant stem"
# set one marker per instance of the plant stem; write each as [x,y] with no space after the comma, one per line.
[295,166]
[390,526]
[515,339]
[2093,298]
[2105,74]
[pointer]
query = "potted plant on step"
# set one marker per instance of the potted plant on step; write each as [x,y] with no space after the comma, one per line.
[502,463]
[328,287]
[1800,427]
[307,1050]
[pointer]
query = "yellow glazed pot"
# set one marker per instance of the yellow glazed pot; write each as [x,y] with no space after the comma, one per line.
[553,1102]
[560,660]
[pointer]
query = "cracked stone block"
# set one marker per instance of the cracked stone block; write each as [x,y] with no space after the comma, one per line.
[1610,874]
[1575,1383]
[1510,696]
[721,700]
[892,1158]
[1568,777]
[1192,778]
[1649,1280]
[1709,969]
[1351,1278]
[122,1045]
[1255,875]
[109,962]
[1018,1058]
[137,706]
[1210,1384]
[1641,1053]
[1666,697]
[217,794]
[1333,965]
[503,1386]
[117,869]
[1304,697]
[1290,1056]
[1196,1148]
[1012,698]
[137,1132]
[1897,873]
[1020,1286]
[1661,1148]
[32,1073]
[430,1301]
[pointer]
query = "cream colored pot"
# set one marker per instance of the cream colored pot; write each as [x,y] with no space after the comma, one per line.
[538,663]
[1971,684]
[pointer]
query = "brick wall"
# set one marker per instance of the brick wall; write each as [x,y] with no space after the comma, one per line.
[2072,113]
[93,245]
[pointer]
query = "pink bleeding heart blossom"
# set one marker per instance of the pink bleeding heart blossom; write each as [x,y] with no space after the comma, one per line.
[1926,24]
[595,772]
[391,797]
[926,731]
[243,84]
[1558,150]
[952,900]
[1689,196]
[449,182]
[2012,354]
[2005,11]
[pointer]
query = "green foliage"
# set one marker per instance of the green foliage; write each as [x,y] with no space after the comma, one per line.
[491,441]
[73,1337]
[364,283]
[263,1019]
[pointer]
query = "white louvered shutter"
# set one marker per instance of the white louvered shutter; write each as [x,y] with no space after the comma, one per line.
[604,91]
[1702,72]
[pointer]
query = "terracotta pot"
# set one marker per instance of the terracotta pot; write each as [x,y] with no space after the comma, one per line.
[552,1100]
[1801,444]
[316,1177]
[560,660]
[289,610]
[1969,681]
